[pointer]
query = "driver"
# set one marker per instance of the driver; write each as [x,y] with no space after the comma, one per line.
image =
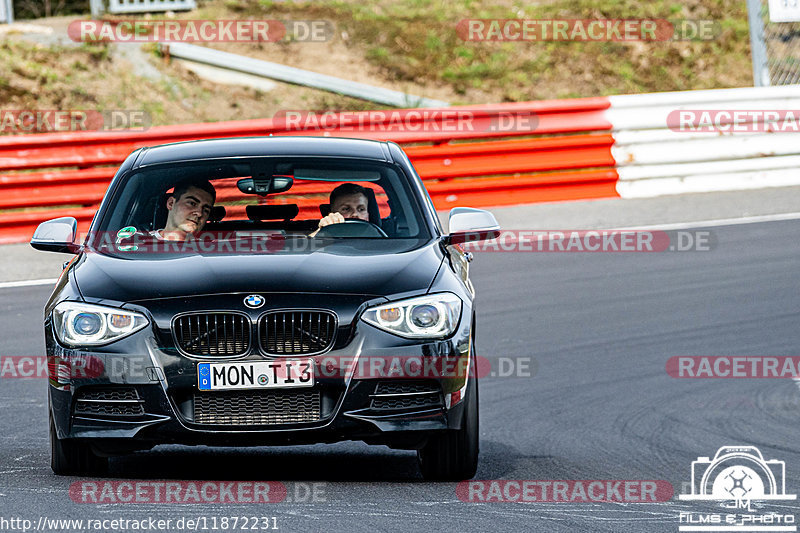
[348,200]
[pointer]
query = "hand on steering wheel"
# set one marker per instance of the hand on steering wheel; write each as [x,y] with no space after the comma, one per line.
[331,218]
[327,227]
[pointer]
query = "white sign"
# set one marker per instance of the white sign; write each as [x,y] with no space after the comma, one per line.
[784,10]
[145,6]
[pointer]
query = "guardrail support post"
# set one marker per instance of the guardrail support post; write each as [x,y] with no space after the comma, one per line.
[164,49]
[8,12]
[758,50]
[97,8]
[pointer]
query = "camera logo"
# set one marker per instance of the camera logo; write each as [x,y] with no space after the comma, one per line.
[738,473]
[736,476]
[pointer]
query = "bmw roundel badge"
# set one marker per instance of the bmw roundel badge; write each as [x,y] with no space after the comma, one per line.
[254,301]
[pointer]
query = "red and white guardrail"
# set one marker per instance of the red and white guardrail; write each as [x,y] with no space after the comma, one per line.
[702,141]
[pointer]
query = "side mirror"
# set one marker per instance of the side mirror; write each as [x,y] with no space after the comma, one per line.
[471,225]
[57,235]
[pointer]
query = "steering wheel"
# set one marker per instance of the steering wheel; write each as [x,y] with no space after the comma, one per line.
[352,227]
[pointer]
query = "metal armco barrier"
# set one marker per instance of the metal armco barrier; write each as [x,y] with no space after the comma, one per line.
[66,174]
[620,146]
[285,73]
[653,159]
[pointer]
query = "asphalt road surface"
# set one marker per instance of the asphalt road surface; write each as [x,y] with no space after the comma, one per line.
[597,328]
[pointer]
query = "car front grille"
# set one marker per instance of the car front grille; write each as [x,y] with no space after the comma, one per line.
[108,401]
[223,334]
[399,394]
[257,408]
[296,332]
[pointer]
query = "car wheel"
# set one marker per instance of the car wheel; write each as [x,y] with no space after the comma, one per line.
[73,458]
[453,455]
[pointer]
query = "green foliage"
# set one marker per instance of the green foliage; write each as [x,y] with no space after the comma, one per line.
[97,51]
[416,40]
[28,9]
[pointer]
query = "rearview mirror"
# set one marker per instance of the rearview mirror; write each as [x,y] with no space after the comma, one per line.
[57,235]
[471,225]
[263,186]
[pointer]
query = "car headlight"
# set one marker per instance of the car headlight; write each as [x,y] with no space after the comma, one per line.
[80,324]
[432,316]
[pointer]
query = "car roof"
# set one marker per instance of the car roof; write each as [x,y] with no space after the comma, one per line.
[263,146]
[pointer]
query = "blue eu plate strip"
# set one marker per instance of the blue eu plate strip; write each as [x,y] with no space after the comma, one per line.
[204,376]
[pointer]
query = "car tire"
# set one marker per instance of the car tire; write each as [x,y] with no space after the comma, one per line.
[453,455]
[69,457]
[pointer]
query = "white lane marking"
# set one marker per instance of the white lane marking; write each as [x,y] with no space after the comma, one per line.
[27,283]
[796,382]
[716,222]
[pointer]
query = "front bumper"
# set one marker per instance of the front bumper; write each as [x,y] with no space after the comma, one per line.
[156,394]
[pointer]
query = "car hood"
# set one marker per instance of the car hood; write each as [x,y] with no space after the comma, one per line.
[352,266]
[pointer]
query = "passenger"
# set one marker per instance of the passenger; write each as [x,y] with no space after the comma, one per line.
[189,207]
[348,200]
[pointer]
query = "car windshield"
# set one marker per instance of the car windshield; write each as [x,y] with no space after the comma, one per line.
[264,201]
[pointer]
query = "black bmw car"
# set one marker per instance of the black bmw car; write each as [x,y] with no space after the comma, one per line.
[264,291]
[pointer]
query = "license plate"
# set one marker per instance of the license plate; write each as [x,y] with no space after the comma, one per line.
[255,375]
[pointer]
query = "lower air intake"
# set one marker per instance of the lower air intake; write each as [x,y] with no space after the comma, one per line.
[257,408]
[108,401]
